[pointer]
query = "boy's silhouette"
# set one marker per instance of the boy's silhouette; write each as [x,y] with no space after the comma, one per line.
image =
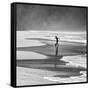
[56,46]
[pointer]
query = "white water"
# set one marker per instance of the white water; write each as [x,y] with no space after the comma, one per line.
[72,79]
[78,60]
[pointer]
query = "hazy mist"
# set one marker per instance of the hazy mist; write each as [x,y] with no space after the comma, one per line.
[37,17]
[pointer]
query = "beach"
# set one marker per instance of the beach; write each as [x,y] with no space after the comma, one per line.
[38,64]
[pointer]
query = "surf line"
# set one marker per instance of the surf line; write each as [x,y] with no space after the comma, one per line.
[54,79]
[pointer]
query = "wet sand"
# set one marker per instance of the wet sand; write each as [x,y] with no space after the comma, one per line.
[52,63]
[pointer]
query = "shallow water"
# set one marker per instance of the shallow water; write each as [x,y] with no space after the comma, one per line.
[36,50]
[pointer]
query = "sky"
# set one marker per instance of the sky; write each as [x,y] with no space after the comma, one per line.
[51,18]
